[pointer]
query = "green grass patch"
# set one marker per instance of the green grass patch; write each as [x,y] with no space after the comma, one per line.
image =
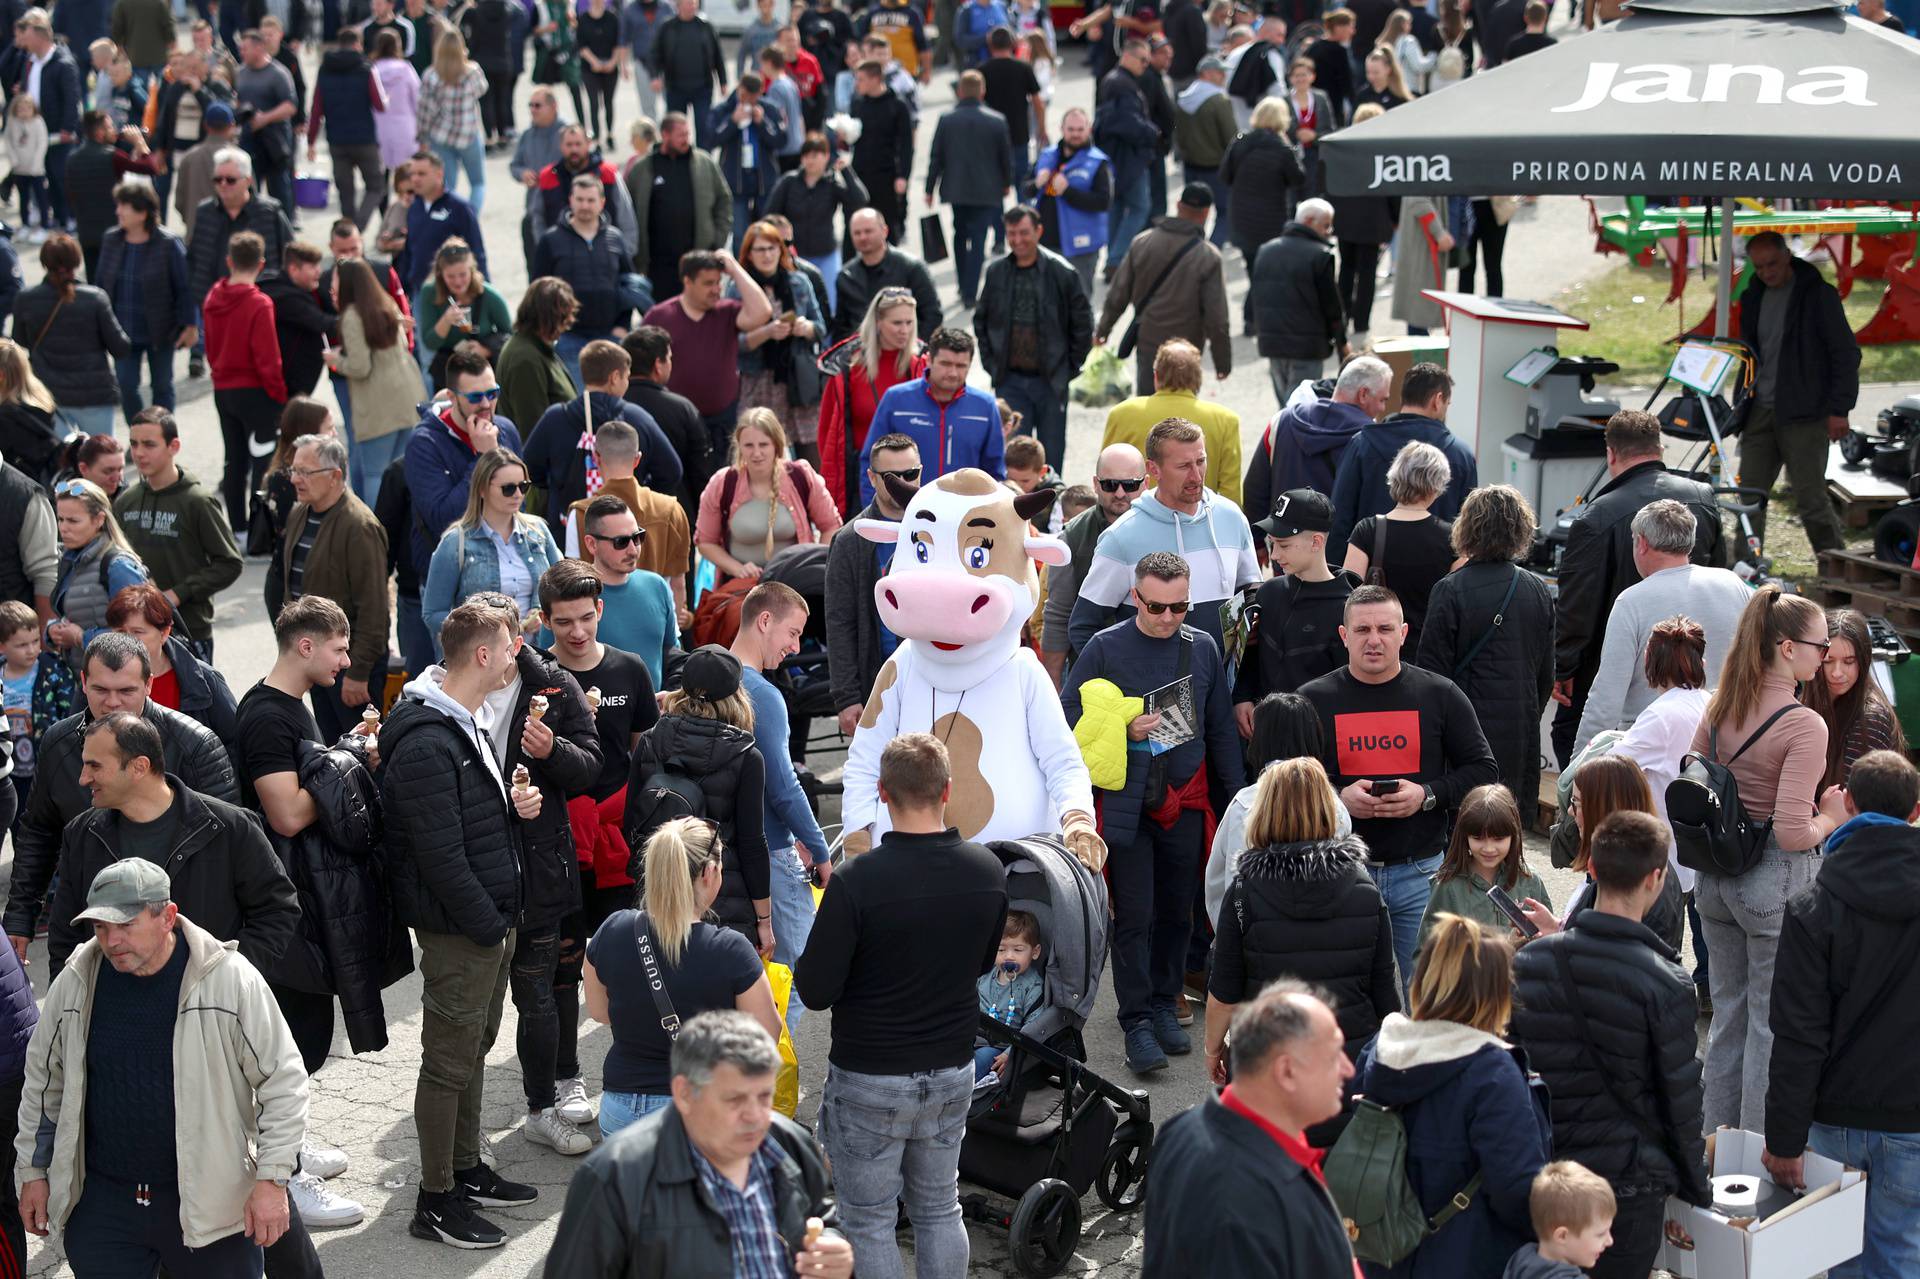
[1633,324]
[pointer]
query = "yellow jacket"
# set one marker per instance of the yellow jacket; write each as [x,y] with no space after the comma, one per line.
[1105,713]
[1129,421]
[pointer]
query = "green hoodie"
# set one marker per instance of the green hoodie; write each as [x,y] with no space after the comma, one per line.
[181,533]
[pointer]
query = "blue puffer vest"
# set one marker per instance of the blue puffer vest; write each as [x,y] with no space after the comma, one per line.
[342,88]
[1081,232]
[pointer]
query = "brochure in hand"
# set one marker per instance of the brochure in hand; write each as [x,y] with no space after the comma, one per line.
[1179,720]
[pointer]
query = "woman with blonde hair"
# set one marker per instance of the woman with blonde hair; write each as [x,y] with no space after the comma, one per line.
[493,546]
[886,351]
[450,96]
[762,503]
[704,736]
[458,305]
[96,564]
[778,371]
[1302,905]
[1782,755]
[1411,63]
[701,967]
[29,439]
[1475,1124]
[1264,177]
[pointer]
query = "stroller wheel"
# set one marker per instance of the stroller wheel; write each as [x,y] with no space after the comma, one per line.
[1045,1228]
[1122,1182]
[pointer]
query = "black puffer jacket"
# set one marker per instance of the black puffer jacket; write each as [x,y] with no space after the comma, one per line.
[1311,911]
[69,344]
[452,840]
[1511,676]
[350,942]
[204,694]
[193,754]
[1639,1008]
[1293,296]
[225,877]
[731,775]
[550,874]
[1263,171]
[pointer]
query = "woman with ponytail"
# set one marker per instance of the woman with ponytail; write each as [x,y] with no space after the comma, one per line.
[701,967]
[1781,643]
[1463,1093]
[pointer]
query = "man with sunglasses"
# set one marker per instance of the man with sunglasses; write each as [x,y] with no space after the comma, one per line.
[233,207]
[640,616]
[443,448]
[1119,477]
[858,642]
[1155,826]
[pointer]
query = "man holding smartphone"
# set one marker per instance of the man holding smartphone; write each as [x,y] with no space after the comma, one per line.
[1403,747]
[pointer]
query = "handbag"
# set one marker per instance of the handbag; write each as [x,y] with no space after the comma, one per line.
[643,938]
[1377,566]
[1131,337]
[933,239]
[1493,628]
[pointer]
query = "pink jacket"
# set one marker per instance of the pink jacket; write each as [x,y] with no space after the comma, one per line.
[814,517]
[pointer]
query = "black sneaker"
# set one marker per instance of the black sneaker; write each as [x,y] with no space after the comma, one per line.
[482,1185]
[448,1217]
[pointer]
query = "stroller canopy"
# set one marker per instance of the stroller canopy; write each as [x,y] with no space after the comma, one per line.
[1070,903]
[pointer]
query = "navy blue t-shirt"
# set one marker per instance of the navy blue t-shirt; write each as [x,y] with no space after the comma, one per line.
[715,967]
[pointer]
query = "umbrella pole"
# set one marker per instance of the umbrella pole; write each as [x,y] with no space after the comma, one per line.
[1723,287]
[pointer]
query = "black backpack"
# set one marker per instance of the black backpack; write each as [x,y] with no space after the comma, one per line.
[1711,829]
[665,796]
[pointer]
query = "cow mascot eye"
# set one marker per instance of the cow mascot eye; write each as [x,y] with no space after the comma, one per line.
[977,556]
[921,551]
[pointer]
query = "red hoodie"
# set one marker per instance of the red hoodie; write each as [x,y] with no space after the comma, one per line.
[242,350]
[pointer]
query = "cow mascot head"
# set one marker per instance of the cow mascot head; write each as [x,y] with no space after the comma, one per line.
[962,580]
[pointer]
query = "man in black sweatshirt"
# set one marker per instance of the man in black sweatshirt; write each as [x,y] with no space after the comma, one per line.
[1155,824]
[903,935]
[1403,747]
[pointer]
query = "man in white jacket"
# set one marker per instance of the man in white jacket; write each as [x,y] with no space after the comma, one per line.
[175,1172]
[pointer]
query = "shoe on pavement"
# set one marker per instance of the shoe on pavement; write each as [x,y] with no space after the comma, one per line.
[1167,1032]
[1183,1009]
[197,366]
[1144,1054]
[319,1207]
[573,1104]
[321,1161]
[448,1217]
[547,1128]
[480,1184]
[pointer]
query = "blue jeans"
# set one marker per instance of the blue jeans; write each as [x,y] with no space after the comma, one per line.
[370,459]
[356,465]
[620,1109]
[417,645]
[472,158]
[88,419]
[791,903]
[1128,216]
[895,1139]
[695,105]
[1406,887]
[1891,1161]
[159,360]
[1210,178]
[972,224]
[1045,413]
[829,268]
[983,1059]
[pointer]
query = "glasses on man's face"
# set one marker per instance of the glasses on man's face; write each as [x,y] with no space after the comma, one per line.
[622,541]
[511,490]
[228,180]
[487,396]
[906,474]
[308,472]
[1178,608]
[1115,486]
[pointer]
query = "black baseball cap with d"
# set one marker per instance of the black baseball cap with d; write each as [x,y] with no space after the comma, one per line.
[120,892]
[1298,511]
[711,673]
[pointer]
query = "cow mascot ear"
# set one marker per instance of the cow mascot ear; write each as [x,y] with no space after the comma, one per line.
[1048,550]
[888,530]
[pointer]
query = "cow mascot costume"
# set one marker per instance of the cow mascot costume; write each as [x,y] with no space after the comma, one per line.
[961,584]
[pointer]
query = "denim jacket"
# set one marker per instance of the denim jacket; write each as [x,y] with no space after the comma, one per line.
[466,562]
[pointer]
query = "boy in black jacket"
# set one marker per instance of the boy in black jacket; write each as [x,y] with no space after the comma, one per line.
[1846,1011]
[1296,636]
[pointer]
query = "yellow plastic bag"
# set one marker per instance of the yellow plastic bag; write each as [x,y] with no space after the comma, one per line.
[786,1085]
[1103,381]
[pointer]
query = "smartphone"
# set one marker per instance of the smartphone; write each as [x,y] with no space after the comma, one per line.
[1511,909]
[788,317]
[1382,788]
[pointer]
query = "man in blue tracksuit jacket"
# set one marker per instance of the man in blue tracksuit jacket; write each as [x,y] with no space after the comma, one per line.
[953,424]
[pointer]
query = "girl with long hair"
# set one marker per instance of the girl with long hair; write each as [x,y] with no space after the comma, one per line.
[382,380]
[493,546]
[1845,694]
[777,360]
[29,439]
[1285,726]
[398,126]
[1384,84]
[1781,643]
[1463,1094]
[1488,850]
[701,967]
[450,94]
[72,338]
[1410,62]
[886,351]
[458,305]
[533,377]
[1604,785]
[762,503]
[96,564]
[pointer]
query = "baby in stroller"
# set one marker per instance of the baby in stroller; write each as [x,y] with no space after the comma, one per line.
[1012,991]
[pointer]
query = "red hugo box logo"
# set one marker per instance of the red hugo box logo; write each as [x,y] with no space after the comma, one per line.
[1377,743]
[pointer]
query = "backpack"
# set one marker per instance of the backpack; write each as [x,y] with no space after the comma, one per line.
[666,794]
[1366,1173]
[1711,829]
[717,619]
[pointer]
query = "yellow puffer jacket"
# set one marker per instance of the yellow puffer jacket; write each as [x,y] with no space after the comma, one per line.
[1105,713]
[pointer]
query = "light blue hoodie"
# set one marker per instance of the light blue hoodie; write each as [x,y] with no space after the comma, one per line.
[1215,541]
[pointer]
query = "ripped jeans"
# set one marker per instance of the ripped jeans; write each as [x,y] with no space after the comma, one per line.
[546,995]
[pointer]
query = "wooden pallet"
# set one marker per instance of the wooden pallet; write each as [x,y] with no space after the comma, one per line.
[1855,569]
[1902,611]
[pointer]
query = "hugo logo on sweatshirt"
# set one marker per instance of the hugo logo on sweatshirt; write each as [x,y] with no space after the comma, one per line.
[1377,743]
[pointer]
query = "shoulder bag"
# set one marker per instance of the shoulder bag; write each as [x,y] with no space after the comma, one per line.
[1131,338]
[1377,566]
[1499,619]
[643,938]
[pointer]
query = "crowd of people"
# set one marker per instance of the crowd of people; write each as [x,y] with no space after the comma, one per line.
[547,578]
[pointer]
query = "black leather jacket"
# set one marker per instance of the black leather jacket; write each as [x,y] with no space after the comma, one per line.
[1066,319]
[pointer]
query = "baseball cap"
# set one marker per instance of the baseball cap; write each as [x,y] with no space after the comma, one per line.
[124,889]
[711,673]
[1196,195]
[1298,511]
[219,116]
[1211,63]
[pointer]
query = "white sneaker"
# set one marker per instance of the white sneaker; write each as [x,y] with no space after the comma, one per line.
[573,1104]
[549,1129]
[319,1207]
[321,1161]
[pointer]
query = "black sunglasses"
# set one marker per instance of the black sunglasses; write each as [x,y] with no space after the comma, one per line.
[508,490]
[1115,486]
[1178,609]
[624,540]
[906,474]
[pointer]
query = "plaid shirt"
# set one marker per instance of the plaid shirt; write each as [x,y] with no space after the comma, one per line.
[758,1250]
[449,114]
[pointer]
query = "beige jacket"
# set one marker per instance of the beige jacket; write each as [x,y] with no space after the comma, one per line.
[384,386]
[239,1088]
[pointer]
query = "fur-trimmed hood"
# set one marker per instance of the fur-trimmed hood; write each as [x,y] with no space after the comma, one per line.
[1316,861]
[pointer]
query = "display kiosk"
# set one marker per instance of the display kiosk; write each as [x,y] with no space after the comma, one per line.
[1489,336]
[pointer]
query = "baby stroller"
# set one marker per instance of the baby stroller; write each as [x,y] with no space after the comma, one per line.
[1050,1127]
